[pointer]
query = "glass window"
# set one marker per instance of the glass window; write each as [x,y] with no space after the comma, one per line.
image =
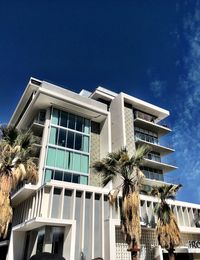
[51,155]
[48,175]
[42,115]
[62,137]
[77,162]
[63,119]
[53,135]
[84,180]
[87,126]
[84,163]
[75,178]
[86,144]
[40,241]
[78,142]
[60,158]
[66,166]
[71,121]
[70,140]
[67,177]
[55,116]
[79,123]
[57,243]
[70,160]
[58,175]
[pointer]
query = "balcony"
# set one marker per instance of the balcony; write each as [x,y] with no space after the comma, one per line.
[159,165]
[142,139]
[153,160]
[148,122]
[22,192]
[37,124]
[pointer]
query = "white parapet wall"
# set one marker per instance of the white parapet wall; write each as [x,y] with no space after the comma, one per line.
[90,225]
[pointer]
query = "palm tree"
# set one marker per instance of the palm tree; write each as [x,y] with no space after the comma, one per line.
[167,229]
[120,164]
[16,165]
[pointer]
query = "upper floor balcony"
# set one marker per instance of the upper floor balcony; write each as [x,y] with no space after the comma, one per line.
[153,142]
[37,125]
[149,122]
[153,160]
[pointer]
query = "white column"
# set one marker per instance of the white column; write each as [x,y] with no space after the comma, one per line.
[44,144]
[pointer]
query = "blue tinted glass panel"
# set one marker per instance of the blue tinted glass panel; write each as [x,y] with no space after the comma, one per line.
[66,166]
[62,137]
[84,180]
[70,161]
[87,126]
[79,123]
[77,162]
[84,163]
[48,175]
[67,177]
[60,158]
[63,118]
[55,116]
[75,178]
[78,142]
[71,121]
[70,140]
[53,135]
[58,175]
[51,156]
[86,144]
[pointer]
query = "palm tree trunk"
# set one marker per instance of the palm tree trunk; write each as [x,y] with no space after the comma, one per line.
[171,255]
[134,252]
[134,255]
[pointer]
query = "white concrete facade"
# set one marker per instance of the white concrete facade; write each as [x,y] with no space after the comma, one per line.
[73,218]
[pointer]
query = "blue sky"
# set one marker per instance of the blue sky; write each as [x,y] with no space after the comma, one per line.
[149,49]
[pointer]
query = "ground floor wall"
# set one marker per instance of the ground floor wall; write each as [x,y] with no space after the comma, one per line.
[62,240]
[90,227]
[149,247]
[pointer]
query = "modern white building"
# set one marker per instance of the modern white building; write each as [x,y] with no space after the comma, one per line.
[67,212]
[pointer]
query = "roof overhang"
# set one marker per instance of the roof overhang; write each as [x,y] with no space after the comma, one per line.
[48,95]
[146,107]
[40,222]
[103,93]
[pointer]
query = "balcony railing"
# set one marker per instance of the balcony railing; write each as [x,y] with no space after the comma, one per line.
[142,115]
[18,187]
[153,157]
[150,118]
[146,138]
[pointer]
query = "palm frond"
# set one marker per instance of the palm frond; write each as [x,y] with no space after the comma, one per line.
[167,229]
[127,168]
[140,153]
[16,164]
[9,134]
[174,189]
[106,178]
[25,139]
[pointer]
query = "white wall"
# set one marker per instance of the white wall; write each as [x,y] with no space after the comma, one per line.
[117,123]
